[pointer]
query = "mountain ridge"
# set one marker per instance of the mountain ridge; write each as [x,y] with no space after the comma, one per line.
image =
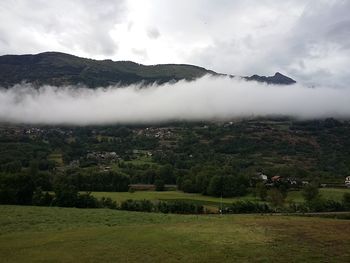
[59,69]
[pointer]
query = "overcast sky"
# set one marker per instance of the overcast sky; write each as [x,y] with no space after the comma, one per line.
[307,40]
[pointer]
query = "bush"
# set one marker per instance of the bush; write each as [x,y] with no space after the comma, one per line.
[321,205]
[180,207]
[65,196]
[108,203]
[175,207]
[86,200]
[310,192]
[246,207]
[137,205]
[42,199]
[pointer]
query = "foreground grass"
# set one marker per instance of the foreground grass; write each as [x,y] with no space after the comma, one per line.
[36,234]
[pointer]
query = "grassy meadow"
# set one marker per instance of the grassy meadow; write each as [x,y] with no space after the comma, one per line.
[51,234]
[209,201]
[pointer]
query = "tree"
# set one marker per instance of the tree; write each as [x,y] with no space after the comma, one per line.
[66,196]
[228,186]
[188,186]
[215,186]
[16,189]
[346,201]
[310,192]
[33,168]
[66,193]
[159,185]
[166,173]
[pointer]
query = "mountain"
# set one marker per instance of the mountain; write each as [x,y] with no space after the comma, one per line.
[59,69]
[278,79]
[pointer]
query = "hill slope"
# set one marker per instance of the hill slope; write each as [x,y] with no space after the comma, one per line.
[59,69]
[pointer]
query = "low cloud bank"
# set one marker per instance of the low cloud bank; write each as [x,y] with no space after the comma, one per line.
[205,99]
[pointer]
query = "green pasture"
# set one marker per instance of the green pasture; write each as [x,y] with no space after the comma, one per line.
[51,234]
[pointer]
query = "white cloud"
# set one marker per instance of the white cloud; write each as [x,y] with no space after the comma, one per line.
[205,99]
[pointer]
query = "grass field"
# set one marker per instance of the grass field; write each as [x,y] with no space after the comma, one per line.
[37,234]
[335,194]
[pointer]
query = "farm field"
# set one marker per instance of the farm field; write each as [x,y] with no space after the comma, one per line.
[39,234]
[295,196]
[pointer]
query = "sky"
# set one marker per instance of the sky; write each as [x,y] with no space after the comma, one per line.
[306,40]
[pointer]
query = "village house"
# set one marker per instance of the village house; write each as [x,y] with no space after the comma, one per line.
[262,177]
[347,181]
[276,178]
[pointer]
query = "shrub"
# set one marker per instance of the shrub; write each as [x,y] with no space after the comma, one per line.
[246,207]
[321,205]
[310,192]
[179,207]
[137,205]
[108,203]
[86,200]
[42,199]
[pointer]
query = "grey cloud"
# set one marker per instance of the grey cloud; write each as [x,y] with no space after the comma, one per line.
[153,33]
[311,46]
[81,27]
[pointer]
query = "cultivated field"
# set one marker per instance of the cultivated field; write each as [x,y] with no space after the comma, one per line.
[37,234]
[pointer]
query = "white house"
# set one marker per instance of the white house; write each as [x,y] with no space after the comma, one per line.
[347,181]
[262,176]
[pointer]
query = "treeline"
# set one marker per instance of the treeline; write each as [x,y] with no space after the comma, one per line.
[174,207]
[68,196]
[22,187]
[314,206]
[40,189]
[273,200]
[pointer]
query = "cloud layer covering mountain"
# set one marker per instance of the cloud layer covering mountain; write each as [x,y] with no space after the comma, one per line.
[205,99]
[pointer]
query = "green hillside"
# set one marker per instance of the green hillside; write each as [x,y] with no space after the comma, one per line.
[60,69]
[63,69]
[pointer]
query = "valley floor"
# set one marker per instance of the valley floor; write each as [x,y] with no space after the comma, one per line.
[51,234]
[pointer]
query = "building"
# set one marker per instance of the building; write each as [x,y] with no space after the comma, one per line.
[262,177]
[347,181]
[276,179]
